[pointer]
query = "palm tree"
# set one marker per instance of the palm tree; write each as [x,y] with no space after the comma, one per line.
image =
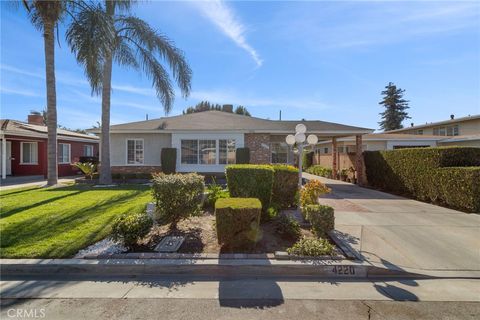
[45,15]
[133,44]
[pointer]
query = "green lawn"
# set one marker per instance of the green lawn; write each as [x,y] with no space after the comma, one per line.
[57,222]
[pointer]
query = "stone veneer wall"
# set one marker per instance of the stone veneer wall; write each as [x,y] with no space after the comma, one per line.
[136,169]
[259,145]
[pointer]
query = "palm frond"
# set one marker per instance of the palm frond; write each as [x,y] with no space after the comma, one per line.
[91,37]
[142,34]
[124,56]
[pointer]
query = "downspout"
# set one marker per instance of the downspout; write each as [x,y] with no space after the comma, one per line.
[4,155]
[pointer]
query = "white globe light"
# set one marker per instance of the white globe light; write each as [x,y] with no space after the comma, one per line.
[290,139]
[300,128]
[312,139]
[300,137]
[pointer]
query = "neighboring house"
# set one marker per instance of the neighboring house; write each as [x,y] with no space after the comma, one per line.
[207,141]
[465,127]
[24,148]
[454,132]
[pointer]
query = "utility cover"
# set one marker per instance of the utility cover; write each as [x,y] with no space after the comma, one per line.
[170,244]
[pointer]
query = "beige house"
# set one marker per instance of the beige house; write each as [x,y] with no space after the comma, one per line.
[207,141]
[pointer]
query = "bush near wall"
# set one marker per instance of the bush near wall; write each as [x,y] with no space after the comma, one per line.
[440,175]
[250,181]
[285,185]
[307,160]
[177,196]
[242,156]
[318,170]
[321,217]
[238,221]
[169,160]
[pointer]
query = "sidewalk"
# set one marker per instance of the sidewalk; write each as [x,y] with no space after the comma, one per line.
[389,230]
[32,182]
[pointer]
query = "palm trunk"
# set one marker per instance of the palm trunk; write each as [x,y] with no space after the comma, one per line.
[105,170]
[49,44]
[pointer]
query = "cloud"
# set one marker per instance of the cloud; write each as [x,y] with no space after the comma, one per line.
[20,92]
[221,15]
[149,92]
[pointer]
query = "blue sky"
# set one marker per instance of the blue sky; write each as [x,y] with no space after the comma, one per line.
[312,60]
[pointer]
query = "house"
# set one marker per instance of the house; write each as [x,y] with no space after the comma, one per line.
[463,131]
[207,141]
[24,148]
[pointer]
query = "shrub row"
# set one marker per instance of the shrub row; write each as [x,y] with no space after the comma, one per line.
[237,221]
[285,185]
[440,175]
[318,170]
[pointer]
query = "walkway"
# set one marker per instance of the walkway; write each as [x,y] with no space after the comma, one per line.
[390,230]
[30,181]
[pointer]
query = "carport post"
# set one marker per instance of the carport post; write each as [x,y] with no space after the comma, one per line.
[334,158]
[359,159]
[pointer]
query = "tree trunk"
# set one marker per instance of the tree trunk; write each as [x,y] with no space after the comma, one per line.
[49,45]
[105,170]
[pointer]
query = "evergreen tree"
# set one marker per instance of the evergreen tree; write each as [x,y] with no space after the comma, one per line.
[243,111]
[395,108]
[207,106]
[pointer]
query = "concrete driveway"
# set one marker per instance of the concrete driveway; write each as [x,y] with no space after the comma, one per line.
[393,231]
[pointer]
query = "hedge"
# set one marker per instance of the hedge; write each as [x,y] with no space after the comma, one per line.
[242,156]
[285,185]
[177,196]
[428,174]
[250,181]
[321,217]
[169,160]
[318,170]
[238,221]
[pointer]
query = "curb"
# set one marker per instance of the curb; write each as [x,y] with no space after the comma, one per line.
[200,267]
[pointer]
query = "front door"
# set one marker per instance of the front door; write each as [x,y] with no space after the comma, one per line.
[8,157]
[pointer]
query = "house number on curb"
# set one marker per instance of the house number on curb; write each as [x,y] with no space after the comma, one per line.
[344,270]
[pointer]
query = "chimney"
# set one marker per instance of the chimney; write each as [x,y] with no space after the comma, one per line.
[228,108]
[452,116]
[35,118]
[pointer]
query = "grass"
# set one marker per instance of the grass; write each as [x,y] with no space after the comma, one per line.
[57,222]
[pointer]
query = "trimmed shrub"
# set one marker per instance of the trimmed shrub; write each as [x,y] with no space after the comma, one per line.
[321,217]
[320,171]
[311,248]
[307,159]
[287,227]
[169,160]
[238,221]
[177,196]
[311,191]
[242,156]
[131,227]
[250,181]
[285,185]
[420,172]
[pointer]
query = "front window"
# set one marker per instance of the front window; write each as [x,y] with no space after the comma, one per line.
[208,151]
[279,152]
[135,151]
[189,152]
[88,150]
[226,151]
[29,152]
[63,153]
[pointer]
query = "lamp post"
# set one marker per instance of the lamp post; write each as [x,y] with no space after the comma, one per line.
[299,138]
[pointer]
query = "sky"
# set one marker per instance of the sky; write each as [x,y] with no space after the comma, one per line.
[314,60]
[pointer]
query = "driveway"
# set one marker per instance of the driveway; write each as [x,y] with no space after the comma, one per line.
[390,230]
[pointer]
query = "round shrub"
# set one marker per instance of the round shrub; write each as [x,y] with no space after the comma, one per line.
[177,196]
[311,191]
[311,248]
[287,227]
[321,217]
[131,227]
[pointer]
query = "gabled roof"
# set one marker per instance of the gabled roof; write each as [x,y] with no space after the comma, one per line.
[18,128]
[225,121]
[439,123]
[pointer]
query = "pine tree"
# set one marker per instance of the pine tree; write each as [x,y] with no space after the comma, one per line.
[395,108]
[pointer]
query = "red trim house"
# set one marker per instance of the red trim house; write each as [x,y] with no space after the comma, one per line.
[23,148]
